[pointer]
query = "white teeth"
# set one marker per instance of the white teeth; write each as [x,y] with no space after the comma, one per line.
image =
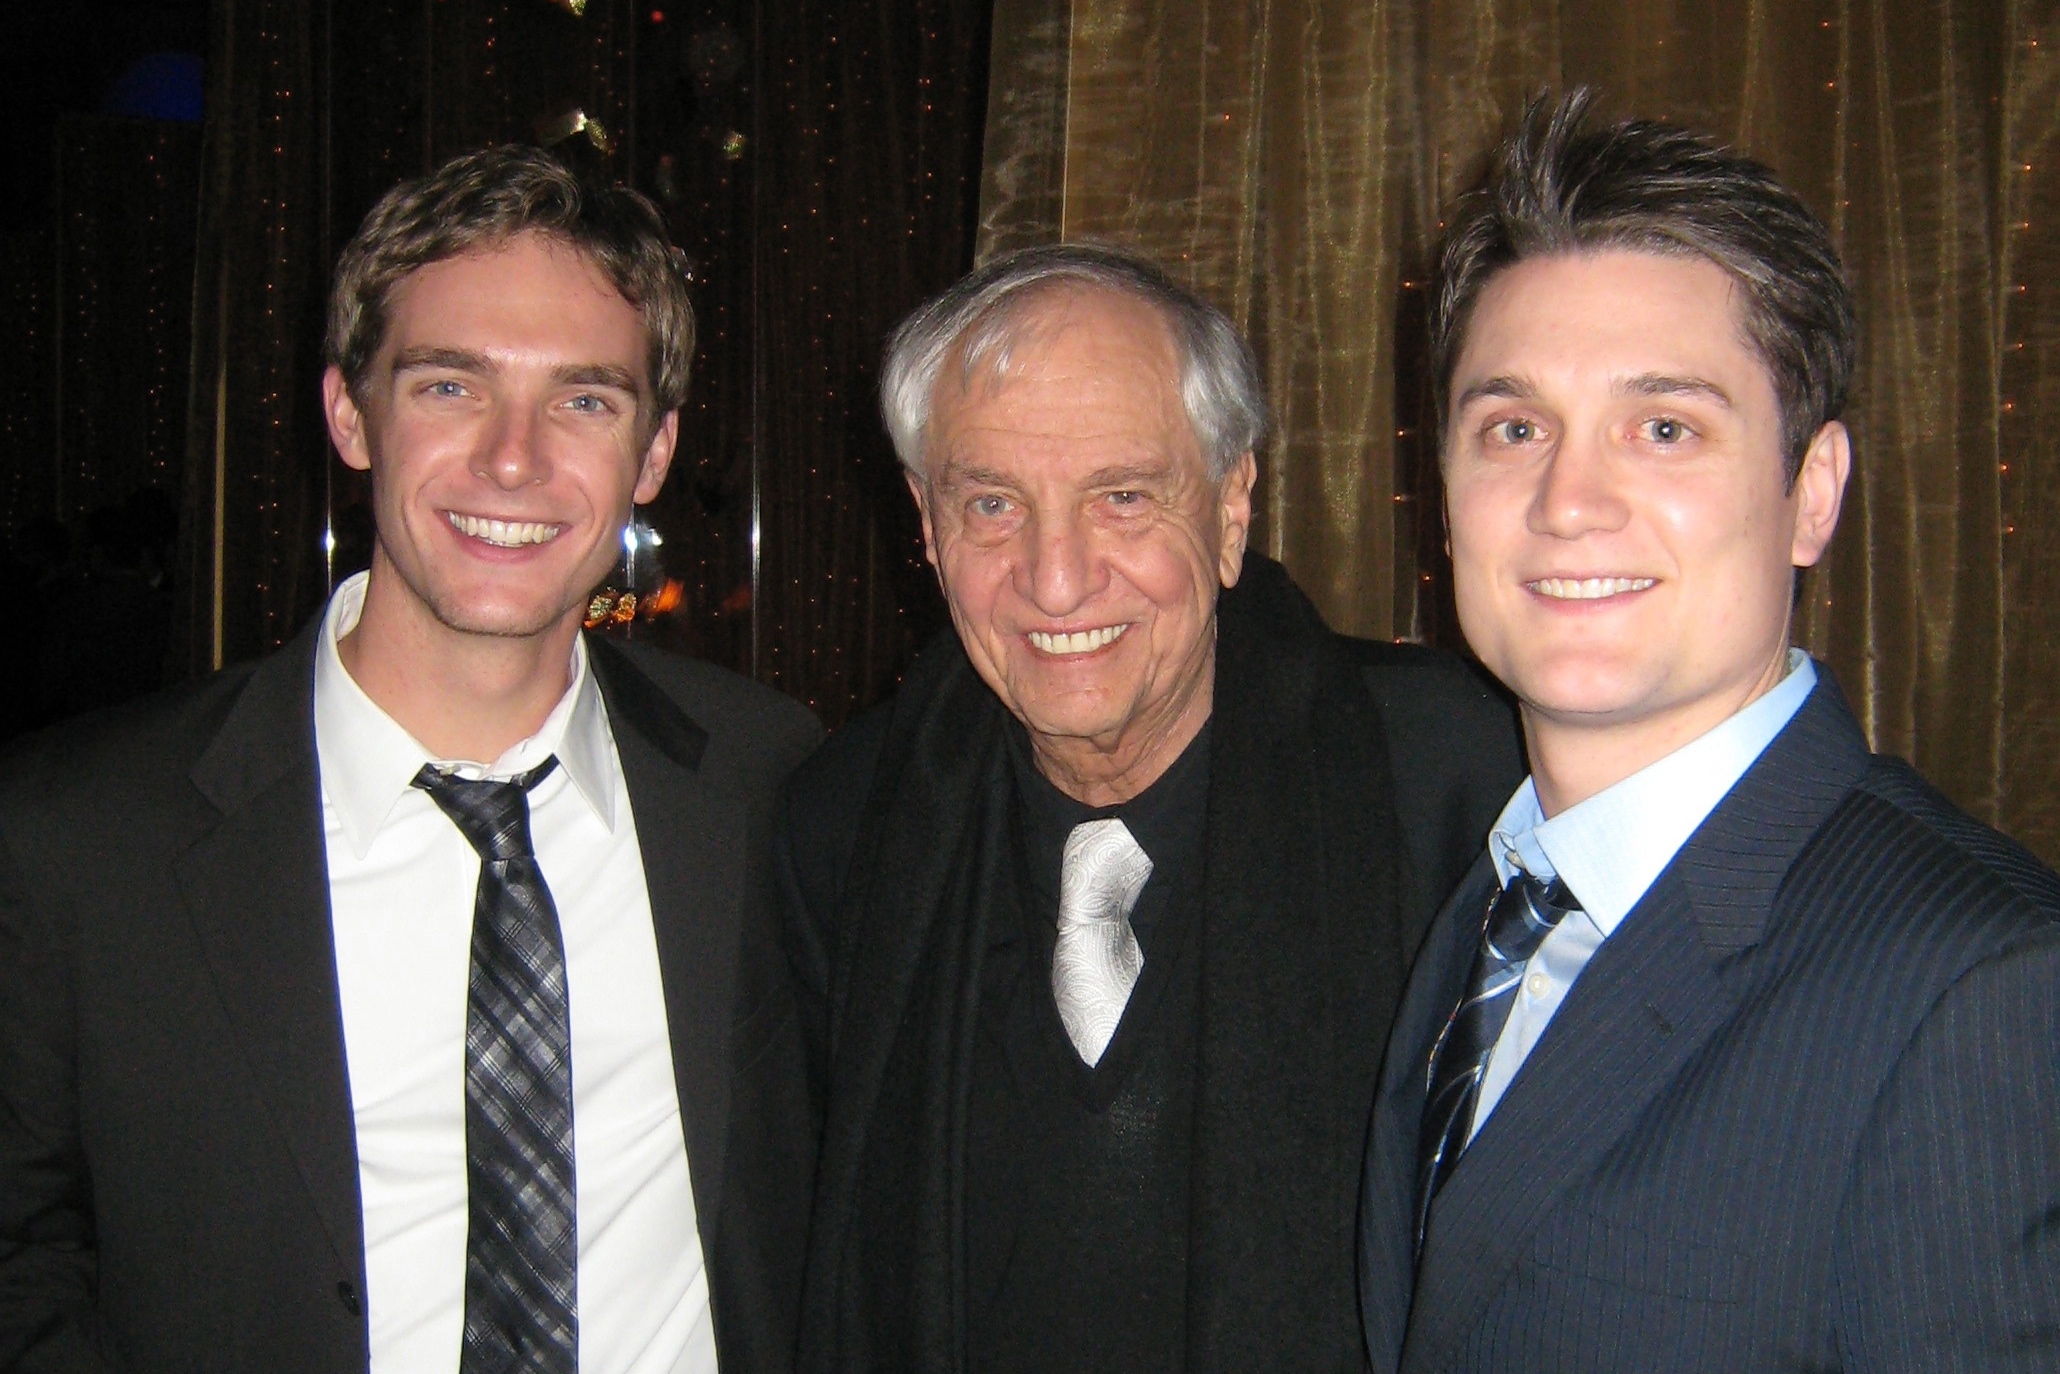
[1588,588]
[1078,642]
[507,534]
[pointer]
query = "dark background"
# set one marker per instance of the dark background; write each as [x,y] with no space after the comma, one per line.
[182,173]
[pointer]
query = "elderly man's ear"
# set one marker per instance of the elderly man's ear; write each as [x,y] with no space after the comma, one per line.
[1236,508]
[921,492]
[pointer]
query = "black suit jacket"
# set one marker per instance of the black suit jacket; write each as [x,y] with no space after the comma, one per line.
[1800,1112]
[178,1169]
[1350,784]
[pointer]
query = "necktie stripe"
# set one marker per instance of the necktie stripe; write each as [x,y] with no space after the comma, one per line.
[1497,984]
[522,1240]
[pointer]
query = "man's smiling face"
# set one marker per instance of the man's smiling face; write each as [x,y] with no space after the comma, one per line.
[505,423]
[1080,540]
[1623,538]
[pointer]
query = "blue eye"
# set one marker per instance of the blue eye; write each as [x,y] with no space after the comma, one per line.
[1666,430]
[588,403]
[1125,498]
[990,506]
[447,388]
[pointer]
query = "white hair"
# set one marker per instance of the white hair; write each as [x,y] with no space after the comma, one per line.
[979,320]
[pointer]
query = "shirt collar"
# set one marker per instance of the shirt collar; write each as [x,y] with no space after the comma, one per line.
[1167,819]
[1609,848]
[368,760]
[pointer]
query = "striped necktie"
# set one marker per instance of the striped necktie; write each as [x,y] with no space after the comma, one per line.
[521,1238]
[1519,919]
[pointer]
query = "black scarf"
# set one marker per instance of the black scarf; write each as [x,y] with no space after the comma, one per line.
[1301,966]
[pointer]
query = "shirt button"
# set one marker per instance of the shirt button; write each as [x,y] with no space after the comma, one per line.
[1535,985]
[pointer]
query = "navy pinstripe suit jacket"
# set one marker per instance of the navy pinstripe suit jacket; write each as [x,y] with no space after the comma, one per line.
[1801,1112]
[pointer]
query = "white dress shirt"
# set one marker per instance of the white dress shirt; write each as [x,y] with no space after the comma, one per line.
[1609,848]
[401,886]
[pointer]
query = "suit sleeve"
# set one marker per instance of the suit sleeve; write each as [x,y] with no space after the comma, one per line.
[48,1270]
[805,941]
[1949,1250]
[770,1165]
[815,833]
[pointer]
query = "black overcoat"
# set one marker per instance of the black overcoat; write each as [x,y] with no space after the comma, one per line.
[1350,786]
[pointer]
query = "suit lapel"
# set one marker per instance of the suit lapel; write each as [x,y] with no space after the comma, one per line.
[1646,1002]
[256,889]
[1654,994]
[1388,1206]
[691,836]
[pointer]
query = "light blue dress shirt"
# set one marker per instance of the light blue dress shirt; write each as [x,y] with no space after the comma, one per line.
[1609,848]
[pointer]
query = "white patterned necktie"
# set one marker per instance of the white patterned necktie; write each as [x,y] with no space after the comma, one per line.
[1097,959]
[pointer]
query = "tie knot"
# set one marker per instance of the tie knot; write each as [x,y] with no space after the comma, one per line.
[493,815]
[1102,872]
[1525,914]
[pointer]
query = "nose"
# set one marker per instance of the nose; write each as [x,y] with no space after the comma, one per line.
[1058,571]
[511,453]
[1578,490]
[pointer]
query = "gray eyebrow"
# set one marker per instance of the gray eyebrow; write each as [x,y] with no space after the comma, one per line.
[970,474]
[1128,474]
[956,475]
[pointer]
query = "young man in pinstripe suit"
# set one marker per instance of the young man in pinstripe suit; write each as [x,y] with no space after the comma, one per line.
[1737,1050]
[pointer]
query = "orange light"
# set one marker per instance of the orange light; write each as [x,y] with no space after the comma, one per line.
[666,598]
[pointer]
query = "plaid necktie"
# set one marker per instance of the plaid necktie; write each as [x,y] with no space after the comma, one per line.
[1519,919]
[521,1240]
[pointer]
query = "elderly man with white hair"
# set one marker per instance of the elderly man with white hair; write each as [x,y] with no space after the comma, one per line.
[1099,924]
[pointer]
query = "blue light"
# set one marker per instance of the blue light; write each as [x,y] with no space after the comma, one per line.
[162,85]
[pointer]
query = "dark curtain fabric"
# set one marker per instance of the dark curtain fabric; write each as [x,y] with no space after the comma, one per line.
[1290,159]
[870,181]
[28,362]
[816,160]
[249,565]
[819,163]
[124,274]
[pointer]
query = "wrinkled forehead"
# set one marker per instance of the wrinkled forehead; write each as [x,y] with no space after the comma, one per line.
[1064,423]
[1026,326]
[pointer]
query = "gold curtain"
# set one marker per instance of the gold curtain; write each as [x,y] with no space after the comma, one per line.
[1289,158]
